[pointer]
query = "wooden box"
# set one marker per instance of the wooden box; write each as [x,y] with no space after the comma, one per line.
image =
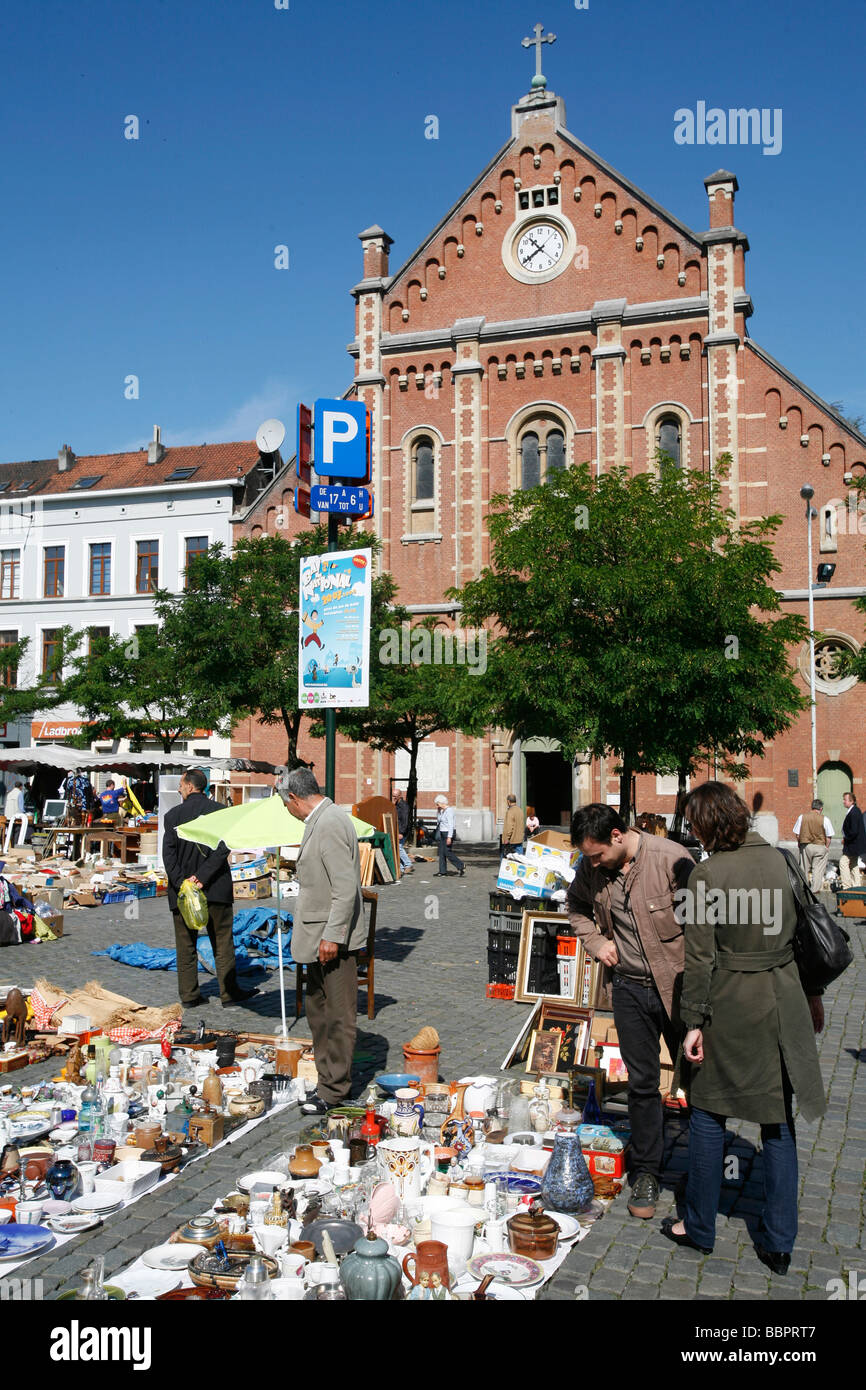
[851,902]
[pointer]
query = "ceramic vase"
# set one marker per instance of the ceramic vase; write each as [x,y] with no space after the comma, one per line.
[567,1185]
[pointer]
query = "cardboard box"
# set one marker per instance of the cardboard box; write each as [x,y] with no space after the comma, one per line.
[253,888]
[52,896]
[561,858]
[535,881]
[254,868]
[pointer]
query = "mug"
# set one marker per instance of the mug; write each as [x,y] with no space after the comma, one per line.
[428,1257]
[406,1164]
[292,1265]
[29,1212]
[88,1173]
[321,1150]
[456,1229]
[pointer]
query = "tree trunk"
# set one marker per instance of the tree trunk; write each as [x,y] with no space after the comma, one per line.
[412,786]
[677,823]
[625,785]
[292,724]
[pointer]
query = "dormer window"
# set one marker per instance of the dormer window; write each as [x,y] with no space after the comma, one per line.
[90,481]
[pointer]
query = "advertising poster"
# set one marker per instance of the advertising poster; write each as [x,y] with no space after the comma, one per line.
[334,630]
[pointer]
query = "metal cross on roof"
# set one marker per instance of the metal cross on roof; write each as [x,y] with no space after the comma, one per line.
[539,80]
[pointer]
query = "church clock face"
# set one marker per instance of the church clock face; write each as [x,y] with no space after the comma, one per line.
[540,248]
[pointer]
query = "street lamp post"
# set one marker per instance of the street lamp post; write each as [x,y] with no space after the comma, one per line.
[807,492]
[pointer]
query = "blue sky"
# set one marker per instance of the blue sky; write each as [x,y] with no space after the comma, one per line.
[261,126]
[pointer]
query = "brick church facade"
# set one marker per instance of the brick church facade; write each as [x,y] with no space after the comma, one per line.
[557,314]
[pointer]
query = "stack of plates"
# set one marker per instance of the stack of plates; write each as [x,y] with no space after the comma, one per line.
[97,1204]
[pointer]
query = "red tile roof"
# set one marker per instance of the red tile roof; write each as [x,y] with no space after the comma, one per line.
[212,462]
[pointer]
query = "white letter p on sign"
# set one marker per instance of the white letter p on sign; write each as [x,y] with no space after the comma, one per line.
[335,435]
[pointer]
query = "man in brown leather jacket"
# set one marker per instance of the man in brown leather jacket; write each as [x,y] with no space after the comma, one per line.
[621,905]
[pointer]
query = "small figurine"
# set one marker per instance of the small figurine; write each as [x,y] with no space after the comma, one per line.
[16,1017]
[74,1061]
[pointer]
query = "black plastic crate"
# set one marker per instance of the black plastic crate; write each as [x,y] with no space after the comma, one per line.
[501,967]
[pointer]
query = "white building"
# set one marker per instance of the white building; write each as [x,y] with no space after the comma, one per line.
[84,542]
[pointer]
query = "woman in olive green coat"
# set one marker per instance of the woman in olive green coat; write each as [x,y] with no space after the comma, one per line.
[750,1026]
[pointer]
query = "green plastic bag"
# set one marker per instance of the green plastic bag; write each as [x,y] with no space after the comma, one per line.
[192,904]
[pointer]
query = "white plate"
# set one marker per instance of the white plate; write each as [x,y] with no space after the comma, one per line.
[73,1224]
[265,1177]
[101,1202]
[568,1226]
[176,1256]
[148,1283]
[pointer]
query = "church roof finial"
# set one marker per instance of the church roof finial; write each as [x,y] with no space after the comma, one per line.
[539,81]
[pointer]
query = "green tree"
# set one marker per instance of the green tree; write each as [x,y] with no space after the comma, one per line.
[236,625]
[631,619]
[136,688]
[419,686]
[48,688]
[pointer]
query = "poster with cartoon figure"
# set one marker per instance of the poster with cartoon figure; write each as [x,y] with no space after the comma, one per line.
[334,630]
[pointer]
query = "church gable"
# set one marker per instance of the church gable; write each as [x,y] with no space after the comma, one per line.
[547,229]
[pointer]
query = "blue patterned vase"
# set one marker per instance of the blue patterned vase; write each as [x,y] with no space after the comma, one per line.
[567,1185]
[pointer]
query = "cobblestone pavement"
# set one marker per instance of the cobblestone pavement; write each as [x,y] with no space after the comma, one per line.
[431,968]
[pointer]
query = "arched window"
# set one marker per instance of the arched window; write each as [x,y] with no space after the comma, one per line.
[421,457]
[423,466]
[555,450]
[669,440]
[530,468]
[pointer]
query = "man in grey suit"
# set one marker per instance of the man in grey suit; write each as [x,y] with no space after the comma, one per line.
[328,931]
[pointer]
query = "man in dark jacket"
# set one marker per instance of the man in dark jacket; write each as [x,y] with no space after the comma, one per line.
[209,870]
[401,805]
[853,843]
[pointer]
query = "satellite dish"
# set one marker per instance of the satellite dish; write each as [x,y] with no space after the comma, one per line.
[270,436]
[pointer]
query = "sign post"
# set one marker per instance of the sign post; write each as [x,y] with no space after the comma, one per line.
[342,456]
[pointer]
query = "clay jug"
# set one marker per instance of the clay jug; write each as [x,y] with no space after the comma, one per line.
[303,1164]
[428,1257]
[211,1090]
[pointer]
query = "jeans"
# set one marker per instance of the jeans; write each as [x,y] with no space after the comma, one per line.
[405,860]
[447,855]
[706,1158]
[641,1020]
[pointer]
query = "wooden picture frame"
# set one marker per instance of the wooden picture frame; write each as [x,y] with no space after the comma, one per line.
[389,825]
[543,1053]
[522,993]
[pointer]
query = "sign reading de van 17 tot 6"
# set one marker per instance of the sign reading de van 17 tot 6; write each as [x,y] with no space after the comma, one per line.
[341,439]
[334,630]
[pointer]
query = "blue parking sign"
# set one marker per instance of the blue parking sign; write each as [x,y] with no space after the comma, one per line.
[341,439]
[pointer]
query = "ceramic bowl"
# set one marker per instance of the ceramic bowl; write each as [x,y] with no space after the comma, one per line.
[395,1081]
[5,1215]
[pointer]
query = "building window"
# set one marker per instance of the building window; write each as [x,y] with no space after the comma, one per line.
[193,547]
[54,567]
[541,449]
[8,674]
[530,464]
[147,567]
[10,574]
[422,475]
[95,635]
[555,450]
[100,568]
[51,654]
[669,441]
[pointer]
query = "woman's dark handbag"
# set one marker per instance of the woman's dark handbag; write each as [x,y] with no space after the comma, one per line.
[821,947]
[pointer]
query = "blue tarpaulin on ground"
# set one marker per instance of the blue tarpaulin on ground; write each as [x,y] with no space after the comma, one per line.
[255,941]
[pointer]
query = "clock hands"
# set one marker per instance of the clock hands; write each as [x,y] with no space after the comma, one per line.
[552,233]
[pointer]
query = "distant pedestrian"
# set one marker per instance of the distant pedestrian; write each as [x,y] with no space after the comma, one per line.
[814,833]
[512,826]
[110,800]
[853,843]
[532,821]
[446,833]
[401,806]
[15,811]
